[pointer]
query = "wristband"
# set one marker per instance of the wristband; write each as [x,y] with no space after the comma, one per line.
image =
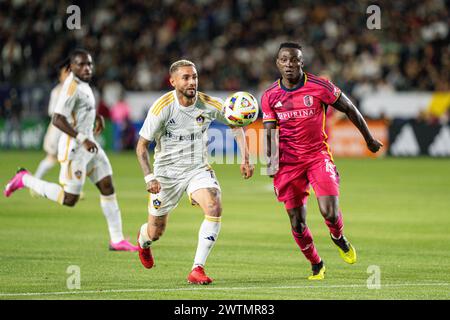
[149,177]
[81,137]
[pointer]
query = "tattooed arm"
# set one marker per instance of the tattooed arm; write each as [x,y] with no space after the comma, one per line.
[153,186]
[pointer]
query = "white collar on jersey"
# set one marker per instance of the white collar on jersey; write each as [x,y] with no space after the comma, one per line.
[189,108]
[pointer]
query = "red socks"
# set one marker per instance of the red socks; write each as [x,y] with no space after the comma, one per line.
[306,244]
[336,228]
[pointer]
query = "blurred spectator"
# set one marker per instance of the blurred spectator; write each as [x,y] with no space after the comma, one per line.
[12,113]
[233,42]
[103,110]
[129,135]
[120,115]
[120,111]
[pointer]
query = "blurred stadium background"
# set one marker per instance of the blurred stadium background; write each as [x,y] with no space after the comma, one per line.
[397,75]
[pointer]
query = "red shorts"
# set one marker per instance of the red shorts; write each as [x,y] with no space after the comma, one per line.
[291,183]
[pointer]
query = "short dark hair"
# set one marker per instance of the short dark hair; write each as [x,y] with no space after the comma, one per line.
[77,52]
[294,45]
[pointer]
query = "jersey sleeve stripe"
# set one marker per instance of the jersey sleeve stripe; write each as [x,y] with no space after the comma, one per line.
[270,120]
[162,102]
[321,84]
[322,81]
[166,104]
[207,99]
[217,106]
[273,86]
[157,105]
[72,88]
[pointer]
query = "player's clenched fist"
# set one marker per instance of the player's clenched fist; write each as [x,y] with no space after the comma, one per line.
[247,170]
[374,145]
[153,186]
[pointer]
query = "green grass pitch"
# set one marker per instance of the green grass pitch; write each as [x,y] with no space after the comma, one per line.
[396,213]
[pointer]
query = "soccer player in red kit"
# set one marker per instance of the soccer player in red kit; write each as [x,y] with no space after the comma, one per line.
[297,103]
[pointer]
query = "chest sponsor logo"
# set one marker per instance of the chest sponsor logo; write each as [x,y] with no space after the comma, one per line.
[186,137]
[308,101]
[302,113]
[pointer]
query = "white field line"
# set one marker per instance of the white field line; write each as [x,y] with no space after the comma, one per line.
[204,289]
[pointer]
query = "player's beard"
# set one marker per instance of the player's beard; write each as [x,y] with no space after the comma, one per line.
[187,93]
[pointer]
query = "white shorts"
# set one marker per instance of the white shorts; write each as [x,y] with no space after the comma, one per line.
[51,140]
[172,190]
[77,163]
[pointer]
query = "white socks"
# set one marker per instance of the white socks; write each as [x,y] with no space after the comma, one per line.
[44,166]
[207,236]
[111,212]
[144,239]
[45,189]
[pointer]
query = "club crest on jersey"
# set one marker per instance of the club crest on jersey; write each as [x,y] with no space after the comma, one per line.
[156,204]
[200,120]
[78,174]
[308,101]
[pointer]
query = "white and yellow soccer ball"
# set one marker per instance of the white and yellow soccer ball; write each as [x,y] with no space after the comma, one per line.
[241,109]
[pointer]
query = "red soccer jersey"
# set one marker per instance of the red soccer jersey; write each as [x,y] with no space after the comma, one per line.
[300,114]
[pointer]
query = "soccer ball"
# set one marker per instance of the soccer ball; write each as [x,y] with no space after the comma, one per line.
[241,109]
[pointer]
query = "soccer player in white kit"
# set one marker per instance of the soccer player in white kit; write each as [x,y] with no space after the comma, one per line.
[178,122]
[80,156]
[53,134]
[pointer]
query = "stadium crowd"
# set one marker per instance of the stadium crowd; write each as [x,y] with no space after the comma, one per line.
[233,42]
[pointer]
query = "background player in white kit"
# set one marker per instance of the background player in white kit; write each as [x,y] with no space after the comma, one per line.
[79,154]
[178,121]
[53,134]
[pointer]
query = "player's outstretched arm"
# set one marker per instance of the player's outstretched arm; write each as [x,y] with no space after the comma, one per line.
[62,124]
[344,105]
[247,169]
[153,185]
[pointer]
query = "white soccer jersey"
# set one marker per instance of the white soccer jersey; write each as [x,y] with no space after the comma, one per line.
[180,132]
[77,103]
[54,94]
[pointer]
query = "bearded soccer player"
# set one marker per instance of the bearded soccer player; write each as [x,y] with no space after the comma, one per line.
[297,104]
[178,121]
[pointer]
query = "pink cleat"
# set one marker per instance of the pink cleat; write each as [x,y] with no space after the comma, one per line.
[123,245]
[16,183]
